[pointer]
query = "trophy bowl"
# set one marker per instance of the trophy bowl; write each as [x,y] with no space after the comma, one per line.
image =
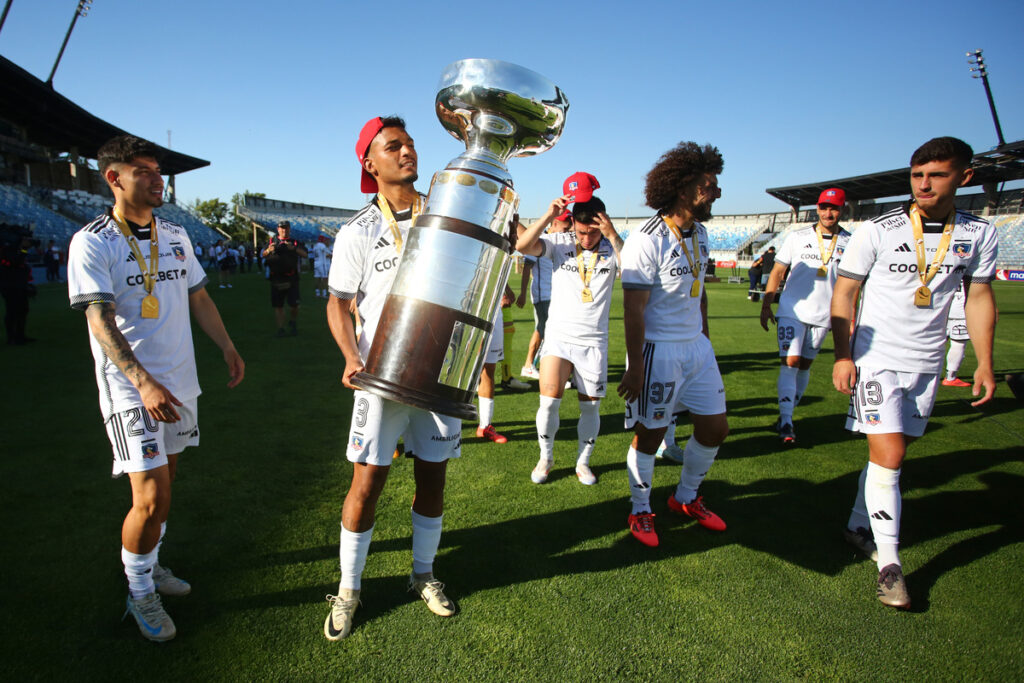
[434,329]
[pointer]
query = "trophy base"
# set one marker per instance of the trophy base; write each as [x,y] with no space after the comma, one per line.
[411,397]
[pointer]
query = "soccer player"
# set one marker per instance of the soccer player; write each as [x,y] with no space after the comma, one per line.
[321,265]
[956,332]
[584,265]
[366,252]
[670,364]
[137,279]
[811,254]
[537,275]
[907,265]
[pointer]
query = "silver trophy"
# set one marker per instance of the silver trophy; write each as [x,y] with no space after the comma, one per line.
[432,336]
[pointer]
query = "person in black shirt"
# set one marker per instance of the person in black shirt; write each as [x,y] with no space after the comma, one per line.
[15,282]
[282,257]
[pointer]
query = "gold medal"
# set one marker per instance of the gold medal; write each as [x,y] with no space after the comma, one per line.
[150,307]
[586,296]
[695,288]
[923,297]
[822,272]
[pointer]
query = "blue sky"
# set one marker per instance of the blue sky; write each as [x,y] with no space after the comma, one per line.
[274,94]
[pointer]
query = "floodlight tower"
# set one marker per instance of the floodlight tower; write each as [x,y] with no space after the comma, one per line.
[80,11]
[978,70]
[3,17]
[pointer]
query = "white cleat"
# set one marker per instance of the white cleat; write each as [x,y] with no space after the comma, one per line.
[541,471]
[339,620]
[154,623]
[169,584]
[432,592]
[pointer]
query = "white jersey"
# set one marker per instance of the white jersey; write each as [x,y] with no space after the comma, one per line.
[806,296]
[364,265]
[653,260]
[570,319]
[892,333]
[320,252]
[101,267]
[956,311]
[540,278]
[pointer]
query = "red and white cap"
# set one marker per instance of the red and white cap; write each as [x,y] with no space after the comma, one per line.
[833,196]
[580,186]
[368,184]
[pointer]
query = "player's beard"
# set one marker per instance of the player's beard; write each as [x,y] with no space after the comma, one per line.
[702,212]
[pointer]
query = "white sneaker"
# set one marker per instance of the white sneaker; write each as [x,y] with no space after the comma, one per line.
[585,474]
[154,624]
[432,592]
[540,472]
[529,371]
[673,453]
[513,383]
[169,584]
[339,620]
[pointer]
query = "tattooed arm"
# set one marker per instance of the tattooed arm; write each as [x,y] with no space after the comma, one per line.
[158,401]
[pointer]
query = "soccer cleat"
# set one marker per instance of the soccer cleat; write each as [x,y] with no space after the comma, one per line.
[432,592]
[169,584]
[955,382]
[787,434]
[513,383]
[490,434]
[706,518]
[529,371]
[892,587]
[642,527]
[861,539]
[776,425]
[585,474]
[293,329]
[339,620]
[673,453]
[540,472]
[154,624]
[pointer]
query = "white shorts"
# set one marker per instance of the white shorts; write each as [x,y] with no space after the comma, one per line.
[140,443]
[800,339]
[589,365]
[377,424]
[889,402]
[321,269]
[677,376]
[956,330]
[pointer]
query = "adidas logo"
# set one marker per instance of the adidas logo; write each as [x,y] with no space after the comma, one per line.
[785,399]
[808,246]
[882,515]
[130,259]
[543,436]
[675,253]
[903,248]
[381,243]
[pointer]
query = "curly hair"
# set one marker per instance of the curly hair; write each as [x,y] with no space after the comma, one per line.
[943,149]
[124,148]
[676,169]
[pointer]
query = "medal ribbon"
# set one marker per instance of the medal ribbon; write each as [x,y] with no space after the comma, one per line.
[148,277]
[385,209]
[696,249]
[826,256]
[947,234]
[584,274]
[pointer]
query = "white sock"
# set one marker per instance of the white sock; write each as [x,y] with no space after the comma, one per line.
[802,378]
[640,468]
[882,496]
[160,541]
[954,357]
[547,426]
[859,512]
[139,570]
[697,459]
[587,429]
[786,387]
[352,550]
[486,411]
[670,434]
[426,537]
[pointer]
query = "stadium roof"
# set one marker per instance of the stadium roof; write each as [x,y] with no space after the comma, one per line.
[1002,163]
[54,121]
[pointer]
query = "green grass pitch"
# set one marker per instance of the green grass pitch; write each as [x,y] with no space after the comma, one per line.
[549,582]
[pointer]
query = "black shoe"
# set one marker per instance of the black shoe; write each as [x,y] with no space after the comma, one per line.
[293,329]
[787,435]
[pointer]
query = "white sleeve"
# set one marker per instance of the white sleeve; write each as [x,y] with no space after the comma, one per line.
[785,253]
[639,263]
[860,252]
[89,278]
[348,262]
[982,268]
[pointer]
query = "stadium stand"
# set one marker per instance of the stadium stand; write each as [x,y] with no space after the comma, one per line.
[308,221]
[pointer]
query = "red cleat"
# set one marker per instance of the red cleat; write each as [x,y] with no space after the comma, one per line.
[642,528]
[955,382]
[706,518]
[490,434]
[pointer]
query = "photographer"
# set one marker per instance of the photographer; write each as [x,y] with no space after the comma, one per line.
[282,257]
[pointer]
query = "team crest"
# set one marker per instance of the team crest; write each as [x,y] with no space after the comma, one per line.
[874,418]
[659,414]
[573,185]
[179,252]
[357,443]
[962,249]
[150,449]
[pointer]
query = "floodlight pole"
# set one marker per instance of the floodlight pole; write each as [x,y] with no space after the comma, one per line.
[978,70]
[3,17]
[80,11]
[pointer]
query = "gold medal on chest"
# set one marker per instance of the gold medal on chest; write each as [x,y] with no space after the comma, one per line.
[923,297]
[150,307]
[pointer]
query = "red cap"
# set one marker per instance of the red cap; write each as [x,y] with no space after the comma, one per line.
[565,216]
[580,186]
[367,184]
[833,196]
